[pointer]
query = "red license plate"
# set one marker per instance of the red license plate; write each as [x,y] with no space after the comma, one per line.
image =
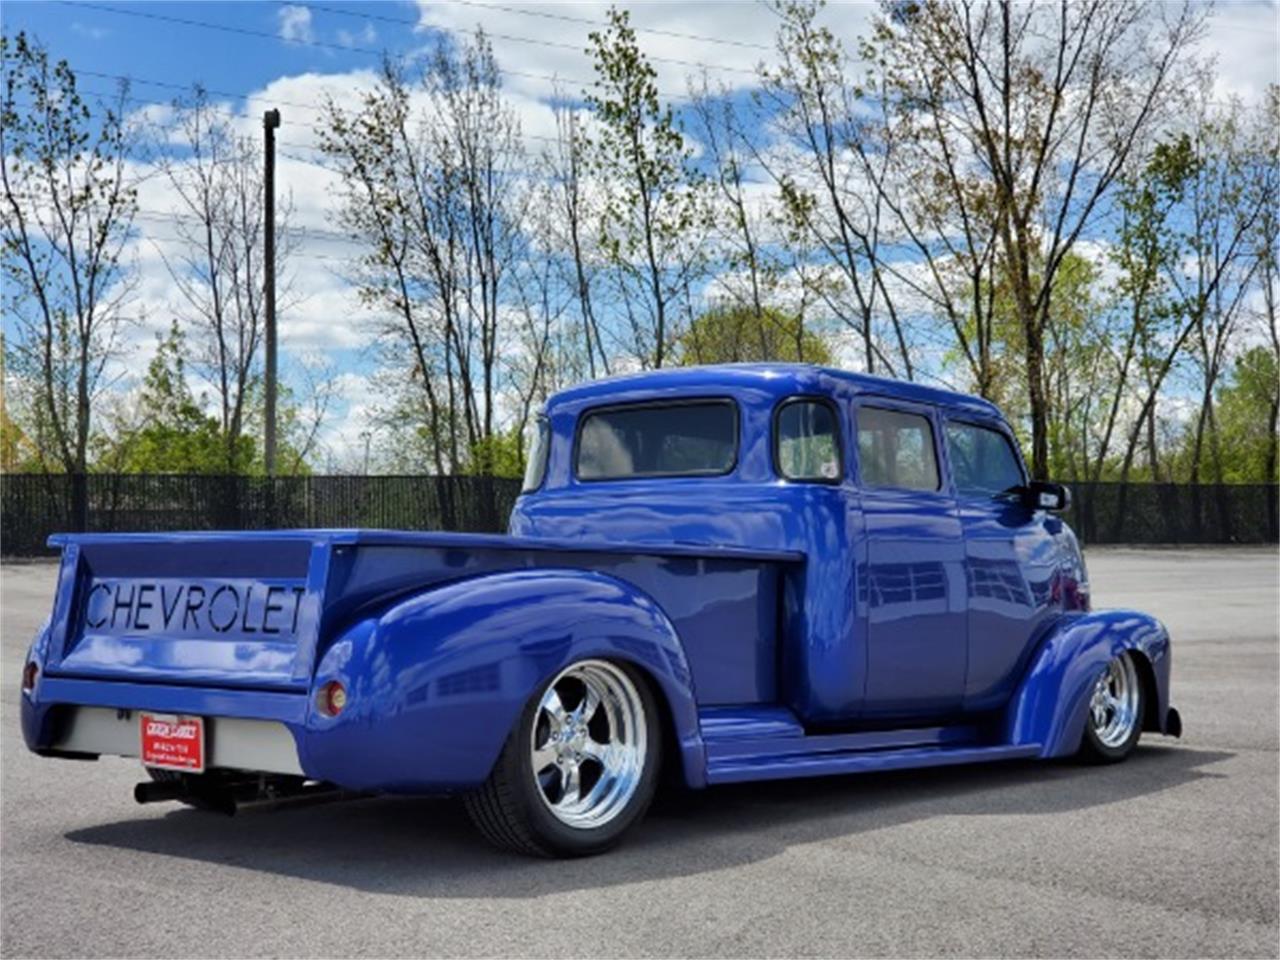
[172,742]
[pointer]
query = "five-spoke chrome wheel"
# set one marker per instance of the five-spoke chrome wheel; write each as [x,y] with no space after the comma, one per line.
[1114,706]
[588,743]
[580,767]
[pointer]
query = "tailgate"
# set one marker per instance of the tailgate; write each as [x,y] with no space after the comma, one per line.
[231,609]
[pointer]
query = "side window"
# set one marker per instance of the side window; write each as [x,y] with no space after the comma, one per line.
[658,440]
[806,445]
[539,445]
[982,461]
[895,449]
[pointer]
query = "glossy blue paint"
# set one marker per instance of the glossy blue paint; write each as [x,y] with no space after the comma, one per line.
[789,628]
[450,676]
[1050,704]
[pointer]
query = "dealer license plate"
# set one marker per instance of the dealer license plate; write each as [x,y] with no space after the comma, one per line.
[172,742]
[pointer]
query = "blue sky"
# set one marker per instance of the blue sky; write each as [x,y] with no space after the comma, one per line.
[92,38]
[290,54]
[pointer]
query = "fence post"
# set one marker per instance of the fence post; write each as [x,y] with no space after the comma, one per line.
[79,502]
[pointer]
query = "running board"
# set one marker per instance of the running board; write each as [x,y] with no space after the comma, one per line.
[769,743]
[743,768]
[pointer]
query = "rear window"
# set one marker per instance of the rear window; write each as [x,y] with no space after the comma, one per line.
[895,449]
[658,440]
[807,447]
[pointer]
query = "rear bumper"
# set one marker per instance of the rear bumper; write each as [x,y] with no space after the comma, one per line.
[234,743]
[248,730]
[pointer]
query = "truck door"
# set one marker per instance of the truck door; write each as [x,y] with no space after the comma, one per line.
[911,581]
[1010,558]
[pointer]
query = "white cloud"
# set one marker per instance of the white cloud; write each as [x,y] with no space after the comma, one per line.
[537,41]
[295,23]
[1244,40]
[92,32]
[365,37]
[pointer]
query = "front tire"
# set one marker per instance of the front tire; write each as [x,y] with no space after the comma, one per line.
[1113,723]
[580,767]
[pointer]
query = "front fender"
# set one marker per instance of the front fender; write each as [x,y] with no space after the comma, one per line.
[1051,703]
[436,682]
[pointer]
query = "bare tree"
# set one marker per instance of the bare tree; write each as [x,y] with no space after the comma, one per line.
[751,264]
[69,204]
[217,267]
[827,177]
[569,228]
[432,187]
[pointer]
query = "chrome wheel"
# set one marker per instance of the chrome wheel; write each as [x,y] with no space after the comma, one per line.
[588,744]
[1113,708]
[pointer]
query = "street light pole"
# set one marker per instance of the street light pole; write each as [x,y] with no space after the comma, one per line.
[270,121]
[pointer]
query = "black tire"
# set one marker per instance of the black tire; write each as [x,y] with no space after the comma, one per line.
[511,813]
[1095,747]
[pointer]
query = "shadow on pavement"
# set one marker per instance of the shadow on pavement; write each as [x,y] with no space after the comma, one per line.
[426,848]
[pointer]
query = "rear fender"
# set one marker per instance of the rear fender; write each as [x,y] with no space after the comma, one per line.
[436,682]
[1051,703]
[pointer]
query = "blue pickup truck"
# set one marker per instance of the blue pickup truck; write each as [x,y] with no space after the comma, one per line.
[715,574]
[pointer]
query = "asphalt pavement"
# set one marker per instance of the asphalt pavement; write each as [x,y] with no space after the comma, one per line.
[1174,853]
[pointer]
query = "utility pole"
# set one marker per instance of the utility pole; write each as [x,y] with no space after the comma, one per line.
[270,121]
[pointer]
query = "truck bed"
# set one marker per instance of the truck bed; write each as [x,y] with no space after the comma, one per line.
[255,610]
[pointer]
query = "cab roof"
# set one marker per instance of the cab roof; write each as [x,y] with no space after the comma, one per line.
[777,379]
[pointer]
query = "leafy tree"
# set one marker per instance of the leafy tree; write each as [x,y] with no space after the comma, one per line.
[173,435]
[738,334]
[68,210]
[1243,413]
[168,430]
[1047,105]
[500,455]
[654,201]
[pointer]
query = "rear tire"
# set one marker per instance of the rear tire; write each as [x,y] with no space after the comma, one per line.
[1113,723]
[579,769]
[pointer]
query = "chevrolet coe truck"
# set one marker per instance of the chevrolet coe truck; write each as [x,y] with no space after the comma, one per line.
[720,574]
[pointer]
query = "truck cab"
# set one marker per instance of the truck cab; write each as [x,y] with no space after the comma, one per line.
[929,575]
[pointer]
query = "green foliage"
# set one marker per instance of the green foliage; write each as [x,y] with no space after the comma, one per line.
[1245,419]
[171,432]
[737,334]
[174,435]
[500,455]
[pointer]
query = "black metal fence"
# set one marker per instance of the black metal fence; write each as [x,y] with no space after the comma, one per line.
[34,506]
[1175,513]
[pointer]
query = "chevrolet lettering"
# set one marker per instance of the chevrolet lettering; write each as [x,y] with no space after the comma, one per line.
[180,608]
[726,574]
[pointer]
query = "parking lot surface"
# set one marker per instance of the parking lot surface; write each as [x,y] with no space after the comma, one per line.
[1174,853]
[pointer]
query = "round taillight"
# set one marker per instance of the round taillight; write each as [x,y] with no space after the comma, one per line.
[29,674]
[333,697]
